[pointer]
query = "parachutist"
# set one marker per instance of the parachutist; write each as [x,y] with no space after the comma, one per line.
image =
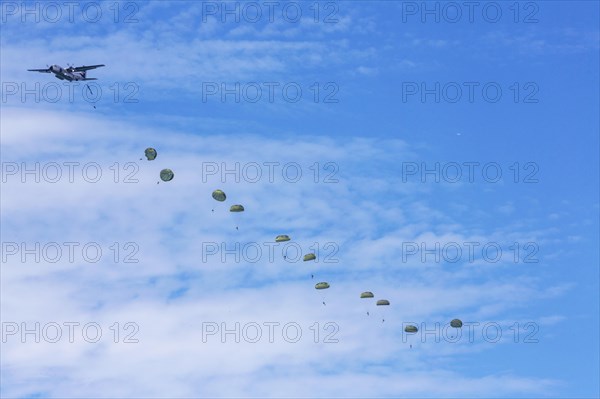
[150,154]
[456,323]
[383,320]
[219,195]
[284,256]
[368,314]
[166,175]
[312,276]
[322,286]
[236,228]
[236,208]
[411,346]
[309,257]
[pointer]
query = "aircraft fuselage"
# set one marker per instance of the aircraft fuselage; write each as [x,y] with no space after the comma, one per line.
[65,74]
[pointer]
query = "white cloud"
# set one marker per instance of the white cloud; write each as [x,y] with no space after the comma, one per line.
[366,70]
[170,221]
[184,45]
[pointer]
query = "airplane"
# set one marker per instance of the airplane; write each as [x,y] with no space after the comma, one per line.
[70,73]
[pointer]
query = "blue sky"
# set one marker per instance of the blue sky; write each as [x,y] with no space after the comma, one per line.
[366,56]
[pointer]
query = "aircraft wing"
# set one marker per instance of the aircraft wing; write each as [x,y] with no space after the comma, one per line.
[86,68]
[90,79]
[47,70]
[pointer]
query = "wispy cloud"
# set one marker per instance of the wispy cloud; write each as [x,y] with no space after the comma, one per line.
[166,263]
[171,291]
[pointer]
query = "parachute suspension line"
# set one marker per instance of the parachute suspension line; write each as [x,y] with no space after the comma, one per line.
[321,286]
[456,324]
[366,295]
[410,329]
[88,87]
[236,209]
[383,302]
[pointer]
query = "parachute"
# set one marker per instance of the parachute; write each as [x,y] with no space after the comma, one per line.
[282,237]
[383,302]
[322,286]
[150,153]
[367,294]
[219,195]
[411,329]
[456,323]
[309,257]
[236,208]
[166,175]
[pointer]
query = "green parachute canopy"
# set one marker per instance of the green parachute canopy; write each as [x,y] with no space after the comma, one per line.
[219,195]
[366,294]
[456,323]
[383,302]
[166,175]
[411,329]
[236,208]
[321,286]
[282,237]
[150,153]
[309,257]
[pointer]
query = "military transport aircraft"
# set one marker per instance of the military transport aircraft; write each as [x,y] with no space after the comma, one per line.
[70,73]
